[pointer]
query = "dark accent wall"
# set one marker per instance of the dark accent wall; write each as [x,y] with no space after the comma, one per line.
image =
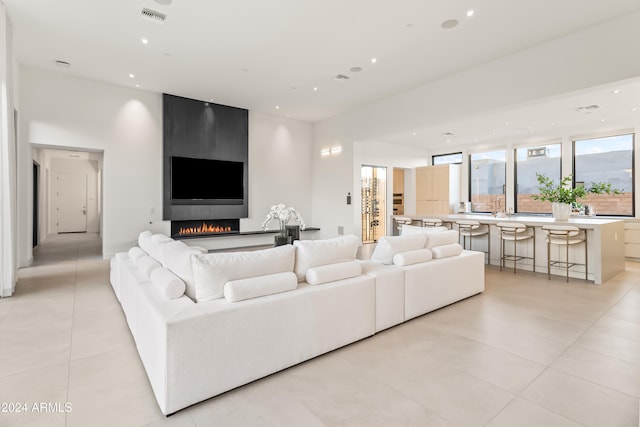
[203,130]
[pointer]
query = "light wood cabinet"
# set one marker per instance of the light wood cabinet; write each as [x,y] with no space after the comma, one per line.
[632,239]
[398,181]
[437,189]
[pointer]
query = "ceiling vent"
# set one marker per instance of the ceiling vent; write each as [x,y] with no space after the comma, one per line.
[152,15]
[340,77]
[588,108]
[448,134]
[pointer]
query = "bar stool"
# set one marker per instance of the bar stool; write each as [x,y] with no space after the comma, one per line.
[431,222]
[472,229]
[402,220]
[515,232]
[565,235]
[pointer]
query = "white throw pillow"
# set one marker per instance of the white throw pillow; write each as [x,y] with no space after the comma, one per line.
[332,272]
[388,246]
[177,256]
[147,264]
[168,284]
[446,251]
[144,240]
[412,229]
[212,271]
[412,257]
[439,239]
[253,287]
[314,253]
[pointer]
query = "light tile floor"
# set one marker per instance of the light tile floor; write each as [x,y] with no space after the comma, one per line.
[527,352]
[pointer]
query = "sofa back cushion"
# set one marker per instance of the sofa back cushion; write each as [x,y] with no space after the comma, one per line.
[144,241]
[412,229]
[166,283]
[314,253]
[412,257]
[388,246]
[445,251]
[440,239]
[177,258]
[212,271]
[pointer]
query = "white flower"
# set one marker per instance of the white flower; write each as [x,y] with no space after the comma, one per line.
[283,215]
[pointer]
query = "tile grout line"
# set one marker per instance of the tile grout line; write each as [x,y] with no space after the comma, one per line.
[75,294]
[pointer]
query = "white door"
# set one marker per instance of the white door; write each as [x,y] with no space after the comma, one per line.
[72,202]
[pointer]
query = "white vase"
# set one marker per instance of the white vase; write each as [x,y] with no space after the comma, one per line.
[561,211]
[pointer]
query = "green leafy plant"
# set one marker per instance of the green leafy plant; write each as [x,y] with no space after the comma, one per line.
[565,193]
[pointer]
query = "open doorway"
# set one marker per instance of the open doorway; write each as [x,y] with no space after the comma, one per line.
[68,196]
[373,193]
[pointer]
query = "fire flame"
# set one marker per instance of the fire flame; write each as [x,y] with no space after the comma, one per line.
[203,229]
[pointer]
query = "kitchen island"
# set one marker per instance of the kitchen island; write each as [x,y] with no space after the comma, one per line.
[605,239]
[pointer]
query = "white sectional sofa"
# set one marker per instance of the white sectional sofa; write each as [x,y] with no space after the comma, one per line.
[207,323]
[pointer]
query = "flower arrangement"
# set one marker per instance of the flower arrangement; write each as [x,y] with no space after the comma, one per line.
[283,215]
[564,193]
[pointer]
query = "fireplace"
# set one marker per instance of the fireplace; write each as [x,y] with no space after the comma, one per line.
[204,228]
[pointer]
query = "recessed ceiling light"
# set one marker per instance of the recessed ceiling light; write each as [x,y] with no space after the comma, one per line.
[470,13]
[449,23]
[374,60]
[506,123]
[315,89]
[603,120]
[356,69]
[413,133]
[634,108]
[277,107]
[448,141]
[615,91]
[144,41]
[131,75]
[137,85]
[63,64]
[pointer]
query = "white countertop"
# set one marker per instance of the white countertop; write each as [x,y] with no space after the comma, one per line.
[578,221]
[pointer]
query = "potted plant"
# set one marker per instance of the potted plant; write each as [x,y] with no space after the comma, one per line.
[283,215]
[563,196]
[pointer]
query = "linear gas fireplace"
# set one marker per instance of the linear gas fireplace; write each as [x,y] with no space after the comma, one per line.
[204,228]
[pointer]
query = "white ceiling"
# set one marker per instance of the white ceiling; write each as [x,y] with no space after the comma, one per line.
[258,54]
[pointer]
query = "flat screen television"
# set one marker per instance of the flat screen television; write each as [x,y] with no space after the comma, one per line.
[197,181]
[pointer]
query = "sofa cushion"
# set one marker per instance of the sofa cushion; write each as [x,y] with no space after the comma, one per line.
[253,287]
[333,272]
[135,253]
[177,256]
[388,246]
[167,284]
[314,253]
[146,264]
[156,249]
[412,257]
[412,229]
[446,251]
[144,240]
[212,271]
[444,238]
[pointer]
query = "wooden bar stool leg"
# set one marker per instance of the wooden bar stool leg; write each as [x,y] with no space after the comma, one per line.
[515,254]
[586,258]
[548,259]
[567,263]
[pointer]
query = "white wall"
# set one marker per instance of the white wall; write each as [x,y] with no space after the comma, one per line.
[60,111]
[66,112]
[590,57]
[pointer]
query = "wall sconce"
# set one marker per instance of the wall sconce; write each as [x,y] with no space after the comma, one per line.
[331,151]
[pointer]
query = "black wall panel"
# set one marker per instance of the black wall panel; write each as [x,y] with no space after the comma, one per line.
[203,130]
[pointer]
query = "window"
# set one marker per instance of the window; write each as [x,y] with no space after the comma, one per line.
[608,160]
[487,180]
[543,159]
[446,159]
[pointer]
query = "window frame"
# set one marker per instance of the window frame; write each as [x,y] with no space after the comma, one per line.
[504,185]
[633,166]
[515,175]
[433,157]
